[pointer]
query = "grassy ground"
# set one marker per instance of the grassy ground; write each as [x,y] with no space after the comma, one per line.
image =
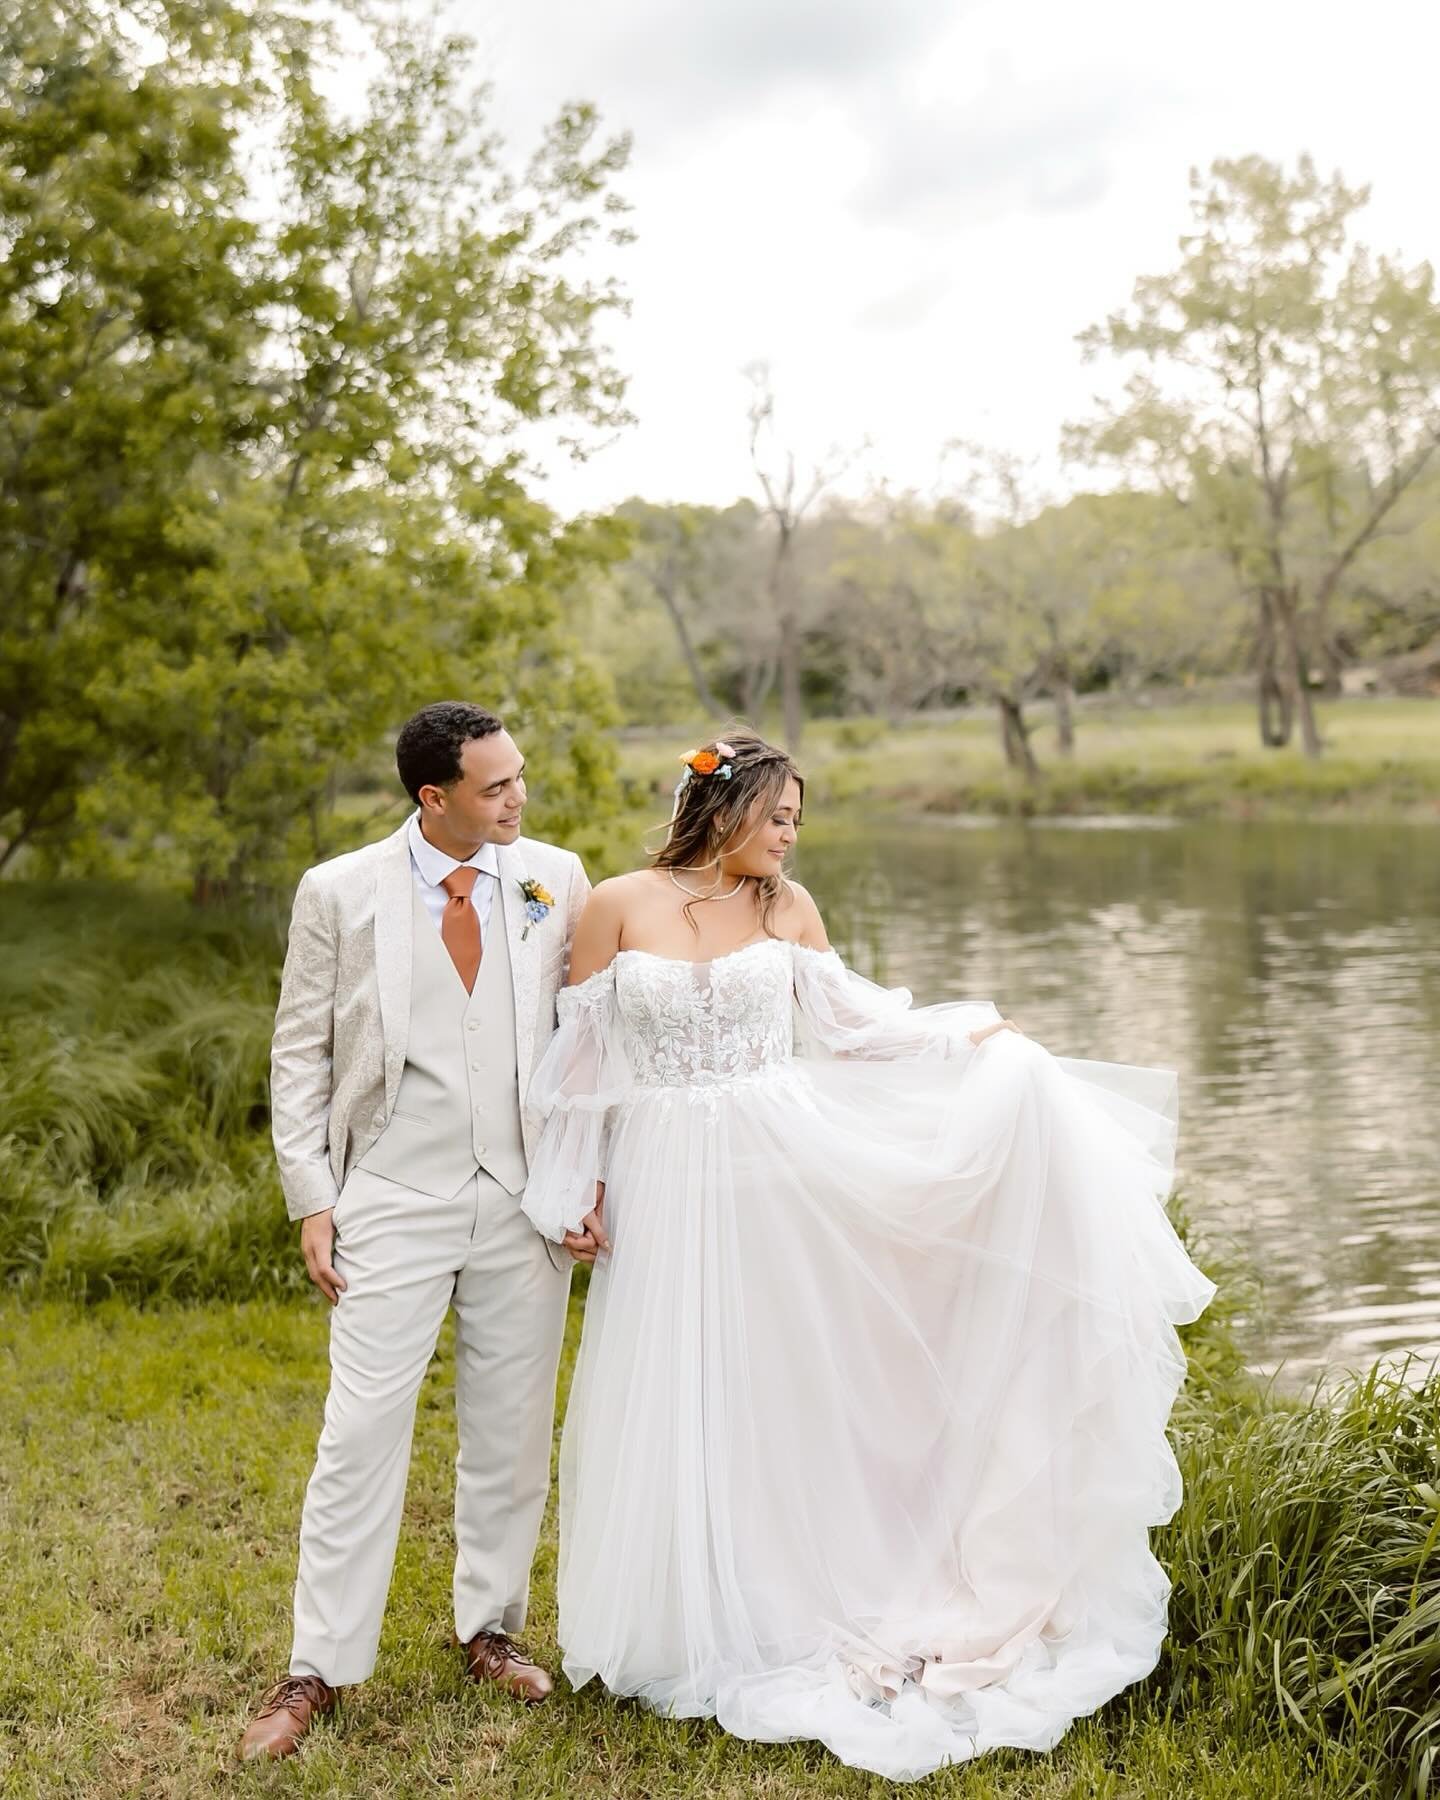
[1196,759]
[151,1470]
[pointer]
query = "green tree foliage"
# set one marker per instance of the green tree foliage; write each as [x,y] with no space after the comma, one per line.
[1288,392]
[126,310]
[264,488]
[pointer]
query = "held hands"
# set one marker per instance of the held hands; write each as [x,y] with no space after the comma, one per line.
[587,1243]
[979,1037]
[317,1243]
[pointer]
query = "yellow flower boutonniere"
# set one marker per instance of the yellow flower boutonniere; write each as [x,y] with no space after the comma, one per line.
[538,901]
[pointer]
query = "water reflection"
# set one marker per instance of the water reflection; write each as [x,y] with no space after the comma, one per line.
[1290,973]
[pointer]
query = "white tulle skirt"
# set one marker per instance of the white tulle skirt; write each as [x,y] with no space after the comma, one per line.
[868,1426]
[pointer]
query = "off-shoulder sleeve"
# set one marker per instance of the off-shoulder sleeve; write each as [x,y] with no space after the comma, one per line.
[844,1014]
[584,1072]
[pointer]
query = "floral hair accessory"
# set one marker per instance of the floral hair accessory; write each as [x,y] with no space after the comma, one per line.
[708,762]
[538,901]
[704,762]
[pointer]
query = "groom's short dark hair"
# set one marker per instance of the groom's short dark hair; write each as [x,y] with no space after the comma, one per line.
[427,751]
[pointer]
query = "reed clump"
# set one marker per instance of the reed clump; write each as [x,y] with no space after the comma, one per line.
[134,1112]
[1306,1566]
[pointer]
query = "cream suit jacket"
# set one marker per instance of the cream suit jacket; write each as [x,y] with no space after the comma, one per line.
[344,1013]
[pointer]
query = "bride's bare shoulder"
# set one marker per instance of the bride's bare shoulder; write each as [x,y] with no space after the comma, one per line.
[610,906]
[617,892]
[798,917]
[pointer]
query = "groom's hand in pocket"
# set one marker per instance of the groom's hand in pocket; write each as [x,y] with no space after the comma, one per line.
[587,1243]
[317,1243]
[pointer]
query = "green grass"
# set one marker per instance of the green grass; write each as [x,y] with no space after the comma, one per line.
[150,1485]
[1191,759]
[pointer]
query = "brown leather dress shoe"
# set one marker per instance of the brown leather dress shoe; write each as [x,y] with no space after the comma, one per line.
[494,1656]
[286,1712]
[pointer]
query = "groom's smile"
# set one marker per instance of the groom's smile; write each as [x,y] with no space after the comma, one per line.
[484,804]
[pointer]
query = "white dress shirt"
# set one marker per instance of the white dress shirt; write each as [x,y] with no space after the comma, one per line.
[430,867]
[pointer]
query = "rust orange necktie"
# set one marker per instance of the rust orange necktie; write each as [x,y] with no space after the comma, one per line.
[460,924]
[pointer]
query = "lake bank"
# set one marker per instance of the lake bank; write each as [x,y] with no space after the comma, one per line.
[1183,759]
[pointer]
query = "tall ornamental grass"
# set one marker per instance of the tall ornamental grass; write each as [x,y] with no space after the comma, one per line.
[134,1118]
[1306,1563]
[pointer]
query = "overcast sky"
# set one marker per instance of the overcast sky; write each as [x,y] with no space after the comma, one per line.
[910,207]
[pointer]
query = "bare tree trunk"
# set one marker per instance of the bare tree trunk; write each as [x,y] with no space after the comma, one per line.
[1332,664]
[1015,737]
[704,693]
[756,686]
[1277,716]
[1292,669]
[790,700]
[1277,713]
[786,506]
[782,606]
[1065,715]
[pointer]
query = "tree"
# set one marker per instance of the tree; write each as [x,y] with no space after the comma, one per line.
[1027,599]
[128,309]
[699,562]
[1289,393]
[302,507]
[787,501]
[893,609]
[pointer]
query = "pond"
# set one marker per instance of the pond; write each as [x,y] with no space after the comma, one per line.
[1290,973]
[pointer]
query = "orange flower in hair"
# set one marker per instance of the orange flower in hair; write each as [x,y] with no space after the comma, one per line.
[703,762]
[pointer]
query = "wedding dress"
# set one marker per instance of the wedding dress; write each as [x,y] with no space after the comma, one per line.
[868,1423]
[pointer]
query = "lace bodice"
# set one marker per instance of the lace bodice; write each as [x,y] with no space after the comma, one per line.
[647,1027]
[691,1023]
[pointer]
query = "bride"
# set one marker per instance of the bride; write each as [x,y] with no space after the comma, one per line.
[868,1423]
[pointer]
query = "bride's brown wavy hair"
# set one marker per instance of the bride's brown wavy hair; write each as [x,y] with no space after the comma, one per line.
[712,810]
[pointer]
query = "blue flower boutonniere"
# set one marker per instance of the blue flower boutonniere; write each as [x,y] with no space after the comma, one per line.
[538,901]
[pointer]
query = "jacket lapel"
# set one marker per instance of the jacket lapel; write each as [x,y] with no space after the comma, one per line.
[394,932]
[524,963]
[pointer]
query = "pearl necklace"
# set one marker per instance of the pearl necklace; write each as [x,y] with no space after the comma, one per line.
[694,896]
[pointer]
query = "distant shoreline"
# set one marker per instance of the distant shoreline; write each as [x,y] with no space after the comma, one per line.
[1188,759]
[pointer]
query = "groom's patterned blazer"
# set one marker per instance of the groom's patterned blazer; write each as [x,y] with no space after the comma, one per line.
[344,1013]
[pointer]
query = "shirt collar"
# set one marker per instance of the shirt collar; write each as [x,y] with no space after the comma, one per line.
[434,865]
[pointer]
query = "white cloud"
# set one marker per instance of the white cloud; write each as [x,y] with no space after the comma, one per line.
[673,71]
[905,306]
[910,207]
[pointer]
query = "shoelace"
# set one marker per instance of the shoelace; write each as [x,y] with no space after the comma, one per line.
[495,1649]
[293,1687]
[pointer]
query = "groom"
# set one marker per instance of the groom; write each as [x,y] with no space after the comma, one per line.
[418,994]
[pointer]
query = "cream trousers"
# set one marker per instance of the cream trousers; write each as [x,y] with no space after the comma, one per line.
[406,1257]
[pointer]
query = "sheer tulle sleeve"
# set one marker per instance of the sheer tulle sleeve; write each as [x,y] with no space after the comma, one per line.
[584,1072]
[843,1014]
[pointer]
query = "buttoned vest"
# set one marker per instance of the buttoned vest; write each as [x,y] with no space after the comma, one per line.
[458,1104]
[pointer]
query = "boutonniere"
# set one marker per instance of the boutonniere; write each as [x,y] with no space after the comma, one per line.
[538,901]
